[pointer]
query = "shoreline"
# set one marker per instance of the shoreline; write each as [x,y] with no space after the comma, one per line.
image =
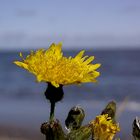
[14,132]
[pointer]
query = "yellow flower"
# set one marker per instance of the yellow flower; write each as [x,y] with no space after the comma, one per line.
[51,66]
[104,128]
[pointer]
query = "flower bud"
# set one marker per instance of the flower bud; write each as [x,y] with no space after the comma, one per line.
[54,94]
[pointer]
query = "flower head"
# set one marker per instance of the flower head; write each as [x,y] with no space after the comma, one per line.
[104,128]
[51,66]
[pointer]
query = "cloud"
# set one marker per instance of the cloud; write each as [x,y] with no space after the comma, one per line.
[20,40]
[26,12]
[9,39]
[133,8]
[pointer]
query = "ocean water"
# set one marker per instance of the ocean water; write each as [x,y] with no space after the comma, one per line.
[22,101]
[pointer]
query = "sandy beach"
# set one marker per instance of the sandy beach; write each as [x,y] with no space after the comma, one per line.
[16,133]
[8,138]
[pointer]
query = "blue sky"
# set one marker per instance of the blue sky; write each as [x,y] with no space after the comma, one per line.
[76,23]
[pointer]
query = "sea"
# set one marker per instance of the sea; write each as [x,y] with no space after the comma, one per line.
[24,106]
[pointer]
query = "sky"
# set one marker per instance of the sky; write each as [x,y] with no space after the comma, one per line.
[26,24]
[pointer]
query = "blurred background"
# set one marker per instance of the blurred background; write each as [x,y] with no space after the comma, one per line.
[109,30]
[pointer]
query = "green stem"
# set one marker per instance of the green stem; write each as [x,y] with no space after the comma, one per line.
[52,110]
